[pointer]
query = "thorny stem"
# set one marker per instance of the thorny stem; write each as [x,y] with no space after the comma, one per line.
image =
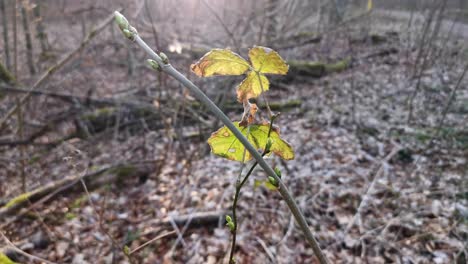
[198,94]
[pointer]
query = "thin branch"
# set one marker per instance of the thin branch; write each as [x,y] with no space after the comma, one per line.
[370,189]
[15,248]
[131,33]
[151,241]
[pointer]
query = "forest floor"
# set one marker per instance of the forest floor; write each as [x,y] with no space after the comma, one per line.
[375,187]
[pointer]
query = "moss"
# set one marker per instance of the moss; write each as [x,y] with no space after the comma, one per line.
[99,113]
[5,260]
[18,199]
[276,106]
[312,68]
[70,216]
[316,68]
[34,159]
[6,75]
[338,66]
[422,137]
[78,202]
[124,171]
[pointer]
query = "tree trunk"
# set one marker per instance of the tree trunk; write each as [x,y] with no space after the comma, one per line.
[272,23]
[41,33]
[15,39]
[5,34]
[27,35]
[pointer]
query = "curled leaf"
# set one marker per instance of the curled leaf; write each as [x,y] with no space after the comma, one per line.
[220,62]
[268,61]
[223,142]
[252,86]
[249,113]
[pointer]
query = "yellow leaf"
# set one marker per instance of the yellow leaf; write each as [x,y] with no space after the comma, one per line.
[266,60]
[369,5]
[223,142]
[220,62]
[4,259]
[252,86]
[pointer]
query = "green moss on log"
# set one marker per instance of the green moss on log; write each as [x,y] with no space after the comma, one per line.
[284,106]
[124,171]
[18,200]
[317,69]
[99,114]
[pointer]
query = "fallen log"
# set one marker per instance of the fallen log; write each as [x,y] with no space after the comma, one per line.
[315,69]
[92,180]
[196,219]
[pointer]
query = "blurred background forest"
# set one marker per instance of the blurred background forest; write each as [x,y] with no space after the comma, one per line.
[375,105]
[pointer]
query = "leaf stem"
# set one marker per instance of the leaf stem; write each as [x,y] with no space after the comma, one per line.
[239,185]
[198,94]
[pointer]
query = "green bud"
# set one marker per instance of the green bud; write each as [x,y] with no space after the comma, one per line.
[154,65]
[121,21]
[164,57]
[126,250]
[128,34]
[230,224]
[268,145]
[278,172]
[273,181]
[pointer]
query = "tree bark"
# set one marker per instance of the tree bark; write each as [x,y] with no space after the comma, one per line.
[5,34]
[27,35]
[41,33]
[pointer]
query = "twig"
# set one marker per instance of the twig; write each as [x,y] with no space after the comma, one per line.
[15,248]
[101,225]
[47,74]
[151,241]
[365,200]
[265,248]
[167,68]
